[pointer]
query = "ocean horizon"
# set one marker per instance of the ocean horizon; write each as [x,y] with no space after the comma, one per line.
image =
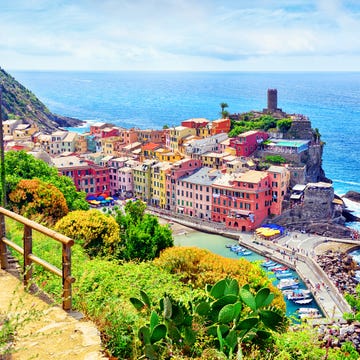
[152,99]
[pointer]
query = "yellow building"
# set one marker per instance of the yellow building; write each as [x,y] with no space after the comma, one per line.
[81,144]
[142,180]
[109,145]
[177,135]
[10,125]
[158,184]
[213,159]
[24,131]
[166,155]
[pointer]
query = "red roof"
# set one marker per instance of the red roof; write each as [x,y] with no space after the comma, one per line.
[150,146]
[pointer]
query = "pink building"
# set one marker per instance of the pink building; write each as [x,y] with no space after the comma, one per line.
[242,201]
[194,193]
[280,182]
[245,144]
[121,176]
[109,132]
[87,177]
[180,168]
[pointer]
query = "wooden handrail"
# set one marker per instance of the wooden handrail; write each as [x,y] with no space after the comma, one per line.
[29,257]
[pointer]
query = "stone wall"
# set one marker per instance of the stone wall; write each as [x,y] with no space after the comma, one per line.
[300,129]
[318,202]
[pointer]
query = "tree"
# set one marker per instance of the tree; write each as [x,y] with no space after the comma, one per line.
[223,105]
[284,125]
[38,200]
[98,233]
[275,159]
[224,114]
[142,236]
[21,165]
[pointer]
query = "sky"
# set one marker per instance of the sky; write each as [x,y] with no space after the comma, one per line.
[186,35]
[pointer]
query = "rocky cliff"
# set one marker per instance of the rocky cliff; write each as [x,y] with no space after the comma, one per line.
[19,102]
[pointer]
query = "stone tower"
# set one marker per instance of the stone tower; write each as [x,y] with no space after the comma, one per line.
[272,100]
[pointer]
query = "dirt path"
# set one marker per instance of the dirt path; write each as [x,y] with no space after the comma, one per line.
[44,331]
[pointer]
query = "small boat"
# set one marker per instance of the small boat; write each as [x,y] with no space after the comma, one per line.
[278,268]
[269,263]
[228,246]
[289,283]
[307,310]
[310,315]
[236,248]
[303,301]
[284,275]
[297,294]
[244,252]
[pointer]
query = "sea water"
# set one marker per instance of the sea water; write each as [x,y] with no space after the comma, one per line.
[152,99]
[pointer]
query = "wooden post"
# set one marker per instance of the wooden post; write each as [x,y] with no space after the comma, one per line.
[66,276]
[3,248]
[27,251]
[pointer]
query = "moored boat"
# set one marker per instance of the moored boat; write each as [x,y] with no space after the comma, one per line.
[269,264]
[244,252]
[303,301]
[284,275]
[307,310]
[289,283]
[297,294]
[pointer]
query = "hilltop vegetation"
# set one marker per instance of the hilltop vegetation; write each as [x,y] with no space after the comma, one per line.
[20,103]
[250,121]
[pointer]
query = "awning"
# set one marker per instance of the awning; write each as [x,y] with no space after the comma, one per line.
[296,196]
[338,201]
[242,212]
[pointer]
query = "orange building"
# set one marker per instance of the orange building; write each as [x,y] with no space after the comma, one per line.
[242,201]
[220,126]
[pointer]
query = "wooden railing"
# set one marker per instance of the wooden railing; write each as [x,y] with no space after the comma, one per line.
[30,258]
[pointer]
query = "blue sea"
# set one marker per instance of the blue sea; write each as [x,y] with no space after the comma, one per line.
[152,99]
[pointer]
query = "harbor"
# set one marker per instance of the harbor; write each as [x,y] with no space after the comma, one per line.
[294,250]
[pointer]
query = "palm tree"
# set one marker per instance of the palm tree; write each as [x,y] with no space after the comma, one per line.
[223,105]
[224,114]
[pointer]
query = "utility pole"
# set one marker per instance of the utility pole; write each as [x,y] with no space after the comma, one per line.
[2,155]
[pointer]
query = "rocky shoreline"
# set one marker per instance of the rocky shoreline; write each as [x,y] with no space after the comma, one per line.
[340,268]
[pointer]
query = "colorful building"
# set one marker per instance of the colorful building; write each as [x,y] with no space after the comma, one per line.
[142,180]
[242,201]
[246,143]
[176,136]
[179,169]
[158,184]
[220,126]
[280,182]
[87,177]
[213,159]
[194,193]
[200,124]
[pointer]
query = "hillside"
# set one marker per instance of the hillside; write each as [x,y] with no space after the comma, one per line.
[19,102]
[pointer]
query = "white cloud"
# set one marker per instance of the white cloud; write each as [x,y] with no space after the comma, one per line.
[174,34]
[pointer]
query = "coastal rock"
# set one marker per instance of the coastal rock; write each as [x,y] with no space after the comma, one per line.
[19,102]
[353,196]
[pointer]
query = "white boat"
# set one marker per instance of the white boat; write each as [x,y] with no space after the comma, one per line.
[307,310]
[269,264]
[290,283]
[284,274]
[310,315]
[303,301]
[297,294]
